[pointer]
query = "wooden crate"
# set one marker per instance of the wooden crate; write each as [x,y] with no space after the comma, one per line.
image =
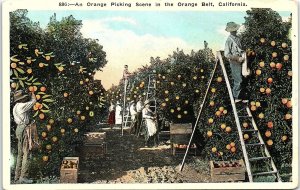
[94,150]
[95,138]
[180,133]
[228,173]
[69,172]
[181,149]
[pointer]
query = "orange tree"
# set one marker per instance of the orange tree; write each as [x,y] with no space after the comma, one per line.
[270,54]
[69,99]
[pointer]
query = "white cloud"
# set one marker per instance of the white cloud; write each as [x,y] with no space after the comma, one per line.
[126,47]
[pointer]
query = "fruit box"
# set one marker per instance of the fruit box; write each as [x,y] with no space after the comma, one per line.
[69,170]
[227,171]
[180,133]
[95,137]
[181,149]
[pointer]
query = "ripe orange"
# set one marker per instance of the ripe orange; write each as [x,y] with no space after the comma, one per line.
[81,82]
[54,138]
[258,72]
[286,58]
[48,127]
[278,66]
[29,61]
[185,112]
[225,112]
[284,100]
[76,130]
[179,76]
[45,158]
[163,104]
[273,43]
[29,71]
[172,110]
[228,147]
[87,80]
[289,104]
[195,77]
[186,102]
[179,108]
[172,83]
[270,124]
[252,103]
[82,117]
[62,130]
[167,99]
[221,109]
[42,116]
[177,97]
[209,133]
[257,104]
[166,92]
[13,65]
[213,90]
[288,116]
[284,138]
[223,126]
[272,65]
[268,133]
[270,80]
[228,129]
[233,149]
[261,64]
[38,96]
[268,91]
[30,88]
[41,65]
[184,84]
[60,69]
[253,108]
[66,94]
[274,54]
[246,136]
[262,90]
[284,45]
[290,73]
[214,149]
[210,120]
[219,79]
[91,92]
[261,116]
[48,147]
[13,85]
[43,89]
[69,120]
[44,134]
[211,103]
[218,113]
[270,142]
[51,121]
[262,40]
[47,57]
[232,144]
[245,125]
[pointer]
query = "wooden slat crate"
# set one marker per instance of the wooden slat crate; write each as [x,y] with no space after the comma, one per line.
[95,138]
[222,171]
[181,149]
[69,170]
[180,133]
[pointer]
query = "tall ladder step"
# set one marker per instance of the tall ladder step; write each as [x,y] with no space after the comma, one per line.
[245,116]
[259,158]
[265,173]
[250,130]
[255,144]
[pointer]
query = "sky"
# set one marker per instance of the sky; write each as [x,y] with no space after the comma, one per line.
[132,37]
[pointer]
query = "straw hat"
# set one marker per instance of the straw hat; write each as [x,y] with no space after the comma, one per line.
[232,26]
[19,95]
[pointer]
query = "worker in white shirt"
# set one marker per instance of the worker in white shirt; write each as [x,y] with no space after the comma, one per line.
[151,125]
[21,117]
[133,114]
[139,115]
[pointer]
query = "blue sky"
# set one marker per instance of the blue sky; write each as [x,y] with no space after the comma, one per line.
[132,37]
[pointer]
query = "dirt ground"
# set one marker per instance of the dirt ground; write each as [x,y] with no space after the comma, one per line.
[127,161]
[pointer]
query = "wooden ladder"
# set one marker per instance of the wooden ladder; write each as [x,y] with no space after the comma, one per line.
[242,114]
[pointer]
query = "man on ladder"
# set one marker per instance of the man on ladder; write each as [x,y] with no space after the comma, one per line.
[234,53]
[126,74]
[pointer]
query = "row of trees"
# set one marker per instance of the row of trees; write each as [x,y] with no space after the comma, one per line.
[58,65]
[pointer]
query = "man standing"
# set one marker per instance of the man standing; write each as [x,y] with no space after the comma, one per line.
[151,125]
[233,52]
[139,118]
[21,117]
[133,113]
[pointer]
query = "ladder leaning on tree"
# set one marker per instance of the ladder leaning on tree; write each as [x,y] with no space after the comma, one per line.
[126,118]
[242,114]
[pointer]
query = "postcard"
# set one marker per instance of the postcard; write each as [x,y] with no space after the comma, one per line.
[141,94]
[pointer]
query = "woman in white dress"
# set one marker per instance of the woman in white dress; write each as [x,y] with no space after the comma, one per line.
[118,114]
[151,126]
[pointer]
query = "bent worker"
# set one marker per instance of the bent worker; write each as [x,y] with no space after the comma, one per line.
[233,52]
[151,125]
[21,112]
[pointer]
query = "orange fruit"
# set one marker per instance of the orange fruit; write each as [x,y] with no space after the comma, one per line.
[218,113]
[273,43]
[261,64]
[223,126]
[166,92]
[284,45]
[284,100]
[233,149]
[228,129]
[270,80]
[76,130]
[221,109]
[270,142]
[185,112]
[284,138]
[278,66]
[43,89]
[232,144]
[262,90]
[48,127]
[179,108]
[13,65]
[209,133]
[35,108]
[289,104]
[177,97]
[262,40]
[225,112]
[195,77]
[268,91]
[288,116]
[48,147]
[51,121]
[184,84]
[272,65]
[163,104]
[214,149]
[228,147]
[290,73]
[219,79]
[69,120]
[29,71]
[47,57]
[87,80]
[257,104]
[62,130]
[274,54]
[41,65]
[252,103]
[268,133]
[286,58]
[38,96]
[44,134]
[172,83]
[60,69]
[258,72]
[82,117]
[172,110]
[29,61]
[13,85]
[45,158]
[66,94]
[210,120]
[179,76]
[42,116]
[54,139]
[30,88]
[81,82]
[270,124]
[246,136]
[253,108]
[186,102]
[261,116]
[91,92]
[211,103]
[245,125]
[213,90]
[167,99]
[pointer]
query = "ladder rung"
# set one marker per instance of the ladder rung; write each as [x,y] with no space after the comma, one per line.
[255,144]
[245,116]
[249,130]
[259,158]
[265,173]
